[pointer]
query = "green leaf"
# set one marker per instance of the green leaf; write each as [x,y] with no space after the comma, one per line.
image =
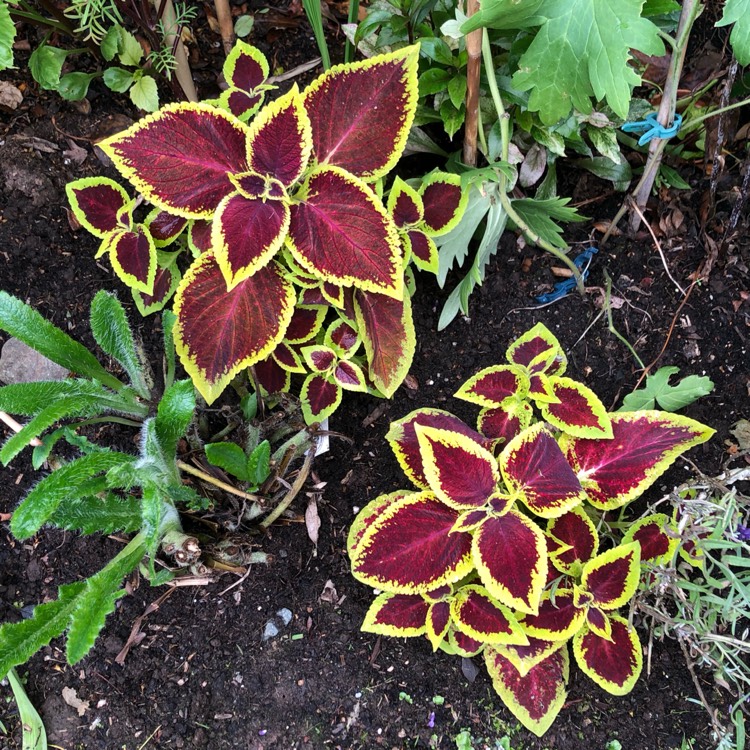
[243,26]
[130,48]
[114,335]
[436,49]
[258,464]
[540,216]
[457,90]
[583,51]
[7,37]
[168,320]
[26,324]
[34,735]
[433,81]
[97,600]
[738,13]
[31,398]
[669,397]
[153,510]
[118,79]
[230,457]
[104,515]
[66,484]
[618,174]
[605,142]
[452,118]
[507,14]
[110,43]
[673,178]
[74,86]
[19,641]
[145,95]
[41,452]
[46,64]
[173,416]
[659,7]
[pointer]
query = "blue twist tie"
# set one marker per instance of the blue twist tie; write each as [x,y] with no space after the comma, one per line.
[651,128]
[562,288]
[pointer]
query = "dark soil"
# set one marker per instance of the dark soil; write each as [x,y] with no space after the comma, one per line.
[202,677]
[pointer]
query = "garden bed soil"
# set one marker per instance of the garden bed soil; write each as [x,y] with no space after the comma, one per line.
[199,674]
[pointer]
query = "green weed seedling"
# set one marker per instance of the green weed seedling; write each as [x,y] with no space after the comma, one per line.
[102,490]
[658,391]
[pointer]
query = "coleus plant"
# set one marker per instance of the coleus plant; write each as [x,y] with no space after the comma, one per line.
[497,550]
[285,217]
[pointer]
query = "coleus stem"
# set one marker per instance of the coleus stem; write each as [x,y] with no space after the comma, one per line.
[505,201]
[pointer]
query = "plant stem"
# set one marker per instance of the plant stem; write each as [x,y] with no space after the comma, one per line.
[503,180]
[226,28]
[172,39]
[610,323]
[188,469]
[352,17]
[665,116]
[294,491]
[473,69]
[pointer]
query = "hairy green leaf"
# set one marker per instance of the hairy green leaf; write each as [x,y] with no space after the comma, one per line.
[65,484]
[258,464]
[97,600]
[113,334]
[29,399]
[168,320]
[84,445]
[104,515]
[669,397]
[174,414]
[583,51]
[19,641]
[738,13]
[26,324]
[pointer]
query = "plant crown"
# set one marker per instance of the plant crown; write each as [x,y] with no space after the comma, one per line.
[497,549]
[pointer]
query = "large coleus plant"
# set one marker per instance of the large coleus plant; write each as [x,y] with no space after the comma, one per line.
[285,217]
[496,549]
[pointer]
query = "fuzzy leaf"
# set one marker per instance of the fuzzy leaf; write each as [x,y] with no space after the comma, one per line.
[180,157]
[510,556]
[615,664]
[361,112]
[612,577]
[458,470]
[583,50]
[342,233]
[19,641]
[112,332]
[218,333]
[533,465]
[103,515]
[401,615]
[409,547]
[645,444]
[26,324]
[577,409]
[484,618]
[96,202]
[97,600]
[174,415]
[402,437]
[536,698]
[389,339]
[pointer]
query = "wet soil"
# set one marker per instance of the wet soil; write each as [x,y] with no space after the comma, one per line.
[200,675]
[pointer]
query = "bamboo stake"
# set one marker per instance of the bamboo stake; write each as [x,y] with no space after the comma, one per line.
[473,69]
[226,27]
[172,39]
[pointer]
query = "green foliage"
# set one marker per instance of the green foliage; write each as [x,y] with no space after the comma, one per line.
[34,734]
[7,37]
[669,397]
[738,13]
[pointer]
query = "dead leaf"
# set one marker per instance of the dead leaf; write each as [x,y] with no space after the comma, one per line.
[329,594]
[10,96]
[312,520]
[75,153]
[71,698]
[741,431]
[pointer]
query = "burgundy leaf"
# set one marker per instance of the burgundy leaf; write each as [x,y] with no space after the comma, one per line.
[505,423]
[438,620]
[220,332]
[443,197]
[246,67]
[200,235]
[180,157]
[306,322]
[271,376]
[240,103]
[558,618]
[396,614]
[165,227]
[96,203]
[361,112]
[366,517]
[340,231]
[320,397]
[480,616]
[575,530]
[133,257]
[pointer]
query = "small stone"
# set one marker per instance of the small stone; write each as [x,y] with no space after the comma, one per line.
[285,615]
[21,364]
[270,631]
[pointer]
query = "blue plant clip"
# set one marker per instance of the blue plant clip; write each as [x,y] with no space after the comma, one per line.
[562,288]
[651,128]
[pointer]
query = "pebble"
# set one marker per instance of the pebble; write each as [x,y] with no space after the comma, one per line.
[21,364]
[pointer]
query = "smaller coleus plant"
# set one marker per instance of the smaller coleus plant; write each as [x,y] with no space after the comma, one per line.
[496,549]
[282,207]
